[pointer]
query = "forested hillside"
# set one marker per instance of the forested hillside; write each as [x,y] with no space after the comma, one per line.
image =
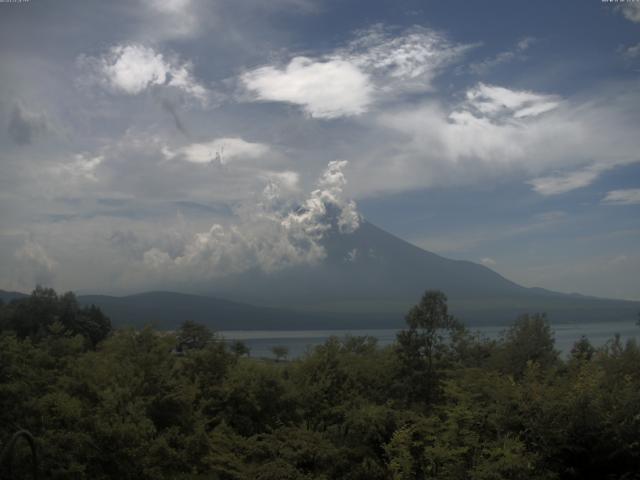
[439,403]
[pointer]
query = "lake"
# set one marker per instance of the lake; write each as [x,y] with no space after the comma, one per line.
[298,341]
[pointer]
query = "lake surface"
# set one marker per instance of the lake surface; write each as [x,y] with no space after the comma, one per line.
[299,341]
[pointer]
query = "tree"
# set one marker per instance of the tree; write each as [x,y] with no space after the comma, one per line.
[31,316]
[42,313]
[582,349]
[193,336]
[424,343]
[529,339]
[239,348]
[280,352]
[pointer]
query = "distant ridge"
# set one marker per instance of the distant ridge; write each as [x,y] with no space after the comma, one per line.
[166,310]
[6,296]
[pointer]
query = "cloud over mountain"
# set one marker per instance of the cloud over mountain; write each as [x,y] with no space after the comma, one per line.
[269,236]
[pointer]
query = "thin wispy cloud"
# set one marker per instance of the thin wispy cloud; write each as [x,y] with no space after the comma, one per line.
[35,264]
[630,196]
[503,57]
[494,101]
[219,151]
[347,82]
[566,182]
[631,11]
[488,262]
[25,126]
[631,52]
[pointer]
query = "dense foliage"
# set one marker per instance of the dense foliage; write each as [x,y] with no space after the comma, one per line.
[439,403]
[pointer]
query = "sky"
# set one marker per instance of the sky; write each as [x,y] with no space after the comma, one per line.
[180,140]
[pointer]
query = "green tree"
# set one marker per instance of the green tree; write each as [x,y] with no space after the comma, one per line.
[424,344]
[239,348]
[529,339]
[280,352]
[582,349]
[41,314]
[193,336]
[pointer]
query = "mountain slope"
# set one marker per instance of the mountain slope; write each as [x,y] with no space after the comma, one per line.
[371,272]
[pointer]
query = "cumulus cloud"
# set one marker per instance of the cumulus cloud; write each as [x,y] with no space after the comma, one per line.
[325,89]
[220,151]
[349,80]
[132,69]
[24,125]
[268,236]
[630,196]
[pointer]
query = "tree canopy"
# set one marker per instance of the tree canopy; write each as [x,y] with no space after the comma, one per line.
[133,405]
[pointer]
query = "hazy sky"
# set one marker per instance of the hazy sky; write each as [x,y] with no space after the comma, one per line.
[146,140]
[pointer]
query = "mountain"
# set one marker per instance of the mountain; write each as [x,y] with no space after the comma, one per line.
[369,279]
[378,276]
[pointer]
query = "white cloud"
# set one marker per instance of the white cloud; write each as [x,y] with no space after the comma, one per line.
[171,19]
[25,125]
[325,89]
[314,210]
[488,262]
[266,237]
[221,151]
[182,79]
[565,182]
[630,196]
[494,101]
[517,53]
[169,6]
[35,265]
[82,168]
[631,11]
[497,132]
[132,69]
[552,216]
[408,61]
[349,80]
[632,51]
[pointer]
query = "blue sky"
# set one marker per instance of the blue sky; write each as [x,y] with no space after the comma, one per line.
[151,142]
